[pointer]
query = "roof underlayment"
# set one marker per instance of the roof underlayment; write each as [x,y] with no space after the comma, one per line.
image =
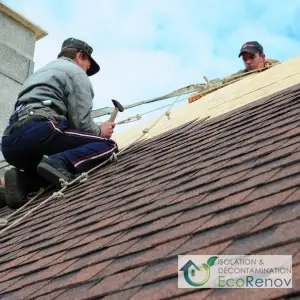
[224,185]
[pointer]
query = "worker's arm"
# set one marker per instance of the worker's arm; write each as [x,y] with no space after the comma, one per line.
[80,104]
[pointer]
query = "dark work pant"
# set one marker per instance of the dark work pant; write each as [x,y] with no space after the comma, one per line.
[80,151]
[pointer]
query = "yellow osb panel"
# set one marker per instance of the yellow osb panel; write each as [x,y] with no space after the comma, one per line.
[230,97]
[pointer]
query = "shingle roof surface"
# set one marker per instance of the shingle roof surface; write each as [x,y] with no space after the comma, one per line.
[227,185]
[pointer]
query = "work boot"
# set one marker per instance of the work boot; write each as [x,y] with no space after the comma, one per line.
[19,184]
[35,181]
[15,188]
[2,196]
[53,170]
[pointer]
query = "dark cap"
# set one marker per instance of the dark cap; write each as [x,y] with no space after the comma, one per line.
[88,50]
[251,47]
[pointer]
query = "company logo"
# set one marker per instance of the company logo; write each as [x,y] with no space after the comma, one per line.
[248,46]
[191,266]
[235,271]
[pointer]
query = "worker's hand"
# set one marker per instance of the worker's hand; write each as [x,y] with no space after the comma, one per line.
[107,129]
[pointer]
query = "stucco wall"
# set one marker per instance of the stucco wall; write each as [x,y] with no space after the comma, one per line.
[16,60]
[17,44]
[16,36]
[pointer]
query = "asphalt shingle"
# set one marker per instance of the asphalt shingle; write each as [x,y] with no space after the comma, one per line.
[227,185]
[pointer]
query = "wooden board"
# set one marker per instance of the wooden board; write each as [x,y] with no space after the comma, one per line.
[230,97]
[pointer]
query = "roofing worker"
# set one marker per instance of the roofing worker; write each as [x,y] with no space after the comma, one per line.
[51,134]
[254,58]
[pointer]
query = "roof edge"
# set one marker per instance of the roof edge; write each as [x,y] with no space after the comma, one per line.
[217,103]
[37,30]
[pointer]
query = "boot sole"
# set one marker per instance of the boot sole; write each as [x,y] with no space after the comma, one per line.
[51,174]
[15,196]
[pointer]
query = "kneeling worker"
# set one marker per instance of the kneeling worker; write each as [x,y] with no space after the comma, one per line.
[51,134]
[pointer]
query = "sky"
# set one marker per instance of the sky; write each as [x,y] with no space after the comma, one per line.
[149,48]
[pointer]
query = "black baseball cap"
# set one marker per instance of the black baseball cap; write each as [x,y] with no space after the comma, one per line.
[251,47]
[87,49]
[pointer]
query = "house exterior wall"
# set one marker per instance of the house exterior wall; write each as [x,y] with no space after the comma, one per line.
[17,44]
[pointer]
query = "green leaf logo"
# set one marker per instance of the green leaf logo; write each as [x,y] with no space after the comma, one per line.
[211,261]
